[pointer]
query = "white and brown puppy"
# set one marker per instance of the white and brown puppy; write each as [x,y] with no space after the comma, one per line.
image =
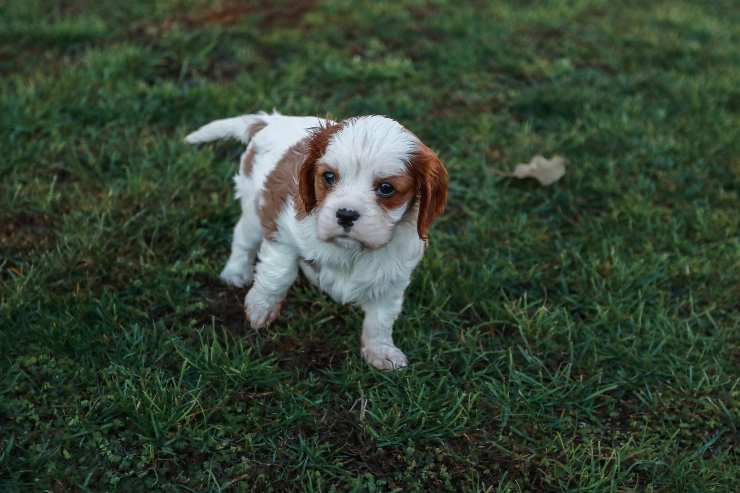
[349,203]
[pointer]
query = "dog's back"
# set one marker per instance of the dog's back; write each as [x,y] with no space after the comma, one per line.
[268,137]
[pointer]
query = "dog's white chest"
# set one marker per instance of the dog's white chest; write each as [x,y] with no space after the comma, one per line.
[355,284]
[352,276]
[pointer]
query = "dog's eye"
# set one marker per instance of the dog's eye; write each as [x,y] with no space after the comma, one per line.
[329,178]
[385,189]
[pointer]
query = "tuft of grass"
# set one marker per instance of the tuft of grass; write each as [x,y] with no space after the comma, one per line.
[582,337]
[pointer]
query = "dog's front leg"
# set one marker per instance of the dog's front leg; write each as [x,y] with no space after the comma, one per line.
[276,271]
[377,333]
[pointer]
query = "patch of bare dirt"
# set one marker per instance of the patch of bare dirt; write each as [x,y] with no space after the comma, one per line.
[25,232]
[225,306]
[305,353]
[271,14]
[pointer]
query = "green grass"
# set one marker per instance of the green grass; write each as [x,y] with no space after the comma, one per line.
[582,337]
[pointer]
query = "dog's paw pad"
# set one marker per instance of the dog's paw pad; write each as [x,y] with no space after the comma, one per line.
[384,357]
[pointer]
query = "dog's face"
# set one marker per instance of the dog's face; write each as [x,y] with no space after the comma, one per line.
[363,176]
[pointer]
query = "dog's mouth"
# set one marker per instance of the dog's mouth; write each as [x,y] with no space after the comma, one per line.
[346,241]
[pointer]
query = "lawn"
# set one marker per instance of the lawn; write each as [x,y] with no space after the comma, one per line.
[578,337]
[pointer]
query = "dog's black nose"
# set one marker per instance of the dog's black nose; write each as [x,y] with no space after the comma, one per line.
[347,217]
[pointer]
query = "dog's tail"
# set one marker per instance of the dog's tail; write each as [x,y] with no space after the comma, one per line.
[242,127]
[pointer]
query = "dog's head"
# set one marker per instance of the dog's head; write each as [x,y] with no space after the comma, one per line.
[365,175]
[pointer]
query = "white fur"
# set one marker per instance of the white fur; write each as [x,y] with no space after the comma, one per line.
[235,128]
[370,266]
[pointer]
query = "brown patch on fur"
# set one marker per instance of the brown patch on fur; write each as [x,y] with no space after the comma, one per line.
[254,128]
[317,143]
[294,176]
[248,161]
[405,191]
[430,176]
[281,183]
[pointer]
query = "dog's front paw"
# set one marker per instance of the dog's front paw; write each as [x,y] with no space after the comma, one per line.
[261,310]
[236,277]
[384,356]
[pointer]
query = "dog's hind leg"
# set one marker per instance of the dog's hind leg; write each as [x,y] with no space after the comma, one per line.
[239,269]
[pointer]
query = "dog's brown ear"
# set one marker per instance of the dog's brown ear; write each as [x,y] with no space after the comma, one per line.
[315,148]
[431,184]
[306,192]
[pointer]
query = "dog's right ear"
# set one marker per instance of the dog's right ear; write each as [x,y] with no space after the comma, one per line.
[316,145]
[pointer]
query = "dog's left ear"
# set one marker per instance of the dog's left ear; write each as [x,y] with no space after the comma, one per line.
[431,183]
[316,145]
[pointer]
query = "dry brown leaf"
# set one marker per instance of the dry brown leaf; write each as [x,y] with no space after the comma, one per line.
[545,171]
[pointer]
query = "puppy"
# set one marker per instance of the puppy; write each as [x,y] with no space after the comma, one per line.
[348,203]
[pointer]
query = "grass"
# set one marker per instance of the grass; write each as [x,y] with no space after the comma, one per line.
[582,337]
